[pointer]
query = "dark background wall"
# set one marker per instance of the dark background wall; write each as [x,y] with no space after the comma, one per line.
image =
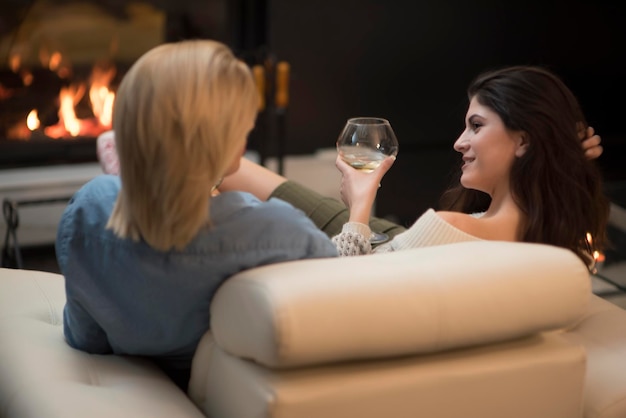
[411,61]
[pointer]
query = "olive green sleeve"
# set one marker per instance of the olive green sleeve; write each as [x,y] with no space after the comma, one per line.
[327,213]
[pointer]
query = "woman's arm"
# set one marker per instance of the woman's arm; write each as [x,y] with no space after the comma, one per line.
[252,178]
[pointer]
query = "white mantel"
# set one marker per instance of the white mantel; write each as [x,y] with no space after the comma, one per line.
[38,223]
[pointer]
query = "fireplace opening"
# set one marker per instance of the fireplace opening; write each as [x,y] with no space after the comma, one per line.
[62,60]
[61,64]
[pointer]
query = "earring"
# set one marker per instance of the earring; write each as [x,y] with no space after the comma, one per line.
[216,185]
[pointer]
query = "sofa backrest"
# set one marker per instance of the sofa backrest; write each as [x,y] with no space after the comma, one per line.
[423,300]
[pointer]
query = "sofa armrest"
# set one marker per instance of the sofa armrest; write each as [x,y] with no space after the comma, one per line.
[423,300]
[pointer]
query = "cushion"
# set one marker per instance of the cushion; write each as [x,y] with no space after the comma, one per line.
[422,300]
[42,376]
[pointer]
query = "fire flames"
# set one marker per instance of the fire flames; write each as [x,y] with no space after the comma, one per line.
[100,97]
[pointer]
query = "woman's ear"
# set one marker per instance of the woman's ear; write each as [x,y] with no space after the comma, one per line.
[522,144]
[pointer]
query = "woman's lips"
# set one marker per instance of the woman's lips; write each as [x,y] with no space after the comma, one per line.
[466,162]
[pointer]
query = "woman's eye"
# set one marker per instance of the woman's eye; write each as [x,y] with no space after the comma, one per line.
[475,126]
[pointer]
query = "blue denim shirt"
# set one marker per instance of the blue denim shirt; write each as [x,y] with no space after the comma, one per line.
[125,297]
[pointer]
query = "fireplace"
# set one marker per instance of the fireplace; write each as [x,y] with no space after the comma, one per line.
[62,60]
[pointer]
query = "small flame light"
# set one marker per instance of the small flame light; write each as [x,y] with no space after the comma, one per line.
[32,121]
[597,257]
[55,61]
[15,62]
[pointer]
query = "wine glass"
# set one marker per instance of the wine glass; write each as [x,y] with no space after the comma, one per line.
[364,143]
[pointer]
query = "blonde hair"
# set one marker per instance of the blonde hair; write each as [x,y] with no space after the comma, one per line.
[181,117]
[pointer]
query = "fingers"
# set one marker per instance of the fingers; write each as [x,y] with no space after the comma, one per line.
[592,141]
[594,152]
[341,165]
[591,144]
[382,169]
[386,164]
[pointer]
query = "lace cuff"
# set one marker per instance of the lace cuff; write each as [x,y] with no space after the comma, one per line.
[353,240]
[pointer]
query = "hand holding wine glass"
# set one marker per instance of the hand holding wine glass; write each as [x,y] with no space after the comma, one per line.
[358,189]
[364,144]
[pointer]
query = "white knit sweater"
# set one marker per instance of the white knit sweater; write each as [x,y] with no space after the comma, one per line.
[430,229]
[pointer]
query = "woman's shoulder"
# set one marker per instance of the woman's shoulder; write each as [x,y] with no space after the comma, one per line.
[449,222]
[87,212]
[266,224]
[285,213]
[96,196]
[245,203]
[428,230]
[502,228]
[104,185]
[244,206]
[459,220]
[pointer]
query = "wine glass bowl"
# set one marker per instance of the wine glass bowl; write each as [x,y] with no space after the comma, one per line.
[364,143]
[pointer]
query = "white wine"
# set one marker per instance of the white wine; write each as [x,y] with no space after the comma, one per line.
[362,158]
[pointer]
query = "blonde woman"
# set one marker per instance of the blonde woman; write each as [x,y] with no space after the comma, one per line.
[143,252]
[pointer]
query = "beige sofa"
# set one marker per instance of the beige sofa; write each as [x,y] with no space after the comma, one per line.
[478,329]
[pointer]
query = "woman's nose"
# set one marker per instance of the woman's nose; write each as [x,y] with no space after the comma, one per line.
[461,144]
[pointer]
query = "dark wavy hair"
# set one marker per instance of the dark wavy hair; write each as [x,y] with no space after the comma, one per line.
[557,188]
